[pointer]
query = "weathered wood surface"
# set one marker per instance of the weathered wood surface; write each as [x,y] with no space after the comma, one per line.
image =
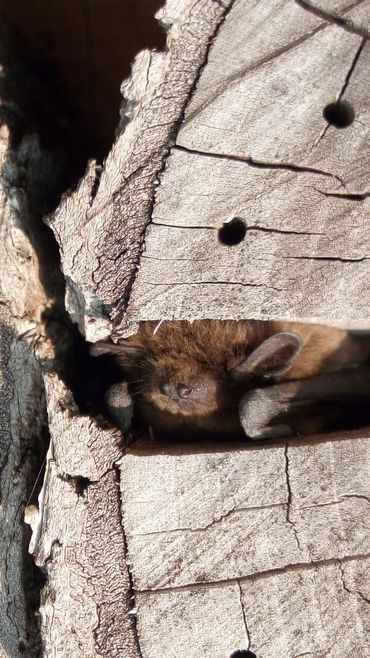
[22,413]
[264,546]
[78,538]
[254,144]
[86,601]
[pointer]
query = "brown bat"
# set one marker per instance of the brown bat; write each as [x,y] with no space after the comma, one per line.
[193,376]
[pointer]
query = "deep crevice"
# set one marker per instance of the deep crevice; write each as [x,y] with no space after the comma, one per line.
[47,155]
[289,498]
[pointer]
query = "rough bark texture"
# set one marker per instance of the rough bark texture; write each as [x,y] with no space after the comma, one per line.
[229,547]
[22,413]
[78,538]
[86,600]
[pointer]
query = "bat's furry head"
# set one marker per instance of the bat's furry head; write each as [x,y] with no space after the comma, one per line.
[200,369]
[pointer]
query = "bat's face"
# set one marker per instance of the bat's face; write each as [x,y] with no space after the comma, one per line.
[190,391]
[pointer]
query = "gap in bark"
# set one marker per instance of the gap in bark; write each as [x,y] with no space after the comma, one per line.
[34,579]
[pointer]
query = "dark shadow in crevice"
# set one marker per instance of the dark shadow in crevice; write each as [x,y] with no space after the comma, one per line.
[90,46]
[86,377]
[47,156]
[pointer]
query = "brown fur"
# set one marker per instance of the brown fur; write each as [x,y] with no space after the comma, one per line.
[202,353]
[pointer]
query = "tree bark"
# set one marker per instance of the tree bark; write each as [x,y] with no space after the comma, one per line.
[153,550]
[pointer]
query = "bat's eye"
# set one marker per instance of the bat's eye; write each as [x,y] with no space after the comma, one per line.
[183,391]
[165,389]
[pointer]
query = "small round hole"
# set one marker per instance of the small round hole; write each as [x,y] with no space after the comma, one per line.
[232,231]
[339,114]
[243,654]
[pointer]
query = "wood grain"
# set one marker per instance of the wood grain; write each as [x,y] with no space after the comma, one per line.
[270,542]
[254,144]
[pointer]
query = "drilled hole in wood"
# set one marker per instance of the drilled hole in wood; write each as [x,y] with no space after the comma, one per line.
[339,114]
[232,231]
[243,654]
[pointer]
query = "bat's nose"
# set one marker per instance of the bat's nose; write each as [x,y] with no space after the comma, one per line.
[178,392]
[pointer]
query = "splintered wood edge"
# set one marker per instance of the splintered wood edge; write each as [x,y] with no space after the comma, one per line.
[100,227]
[78,538]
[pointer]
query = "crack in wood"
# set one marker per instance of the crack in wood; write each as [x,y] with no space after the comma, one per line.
[357,593]
[164,150]
[349,196]
[335,18]
[289,498]
[212,283]
[336,502]
[328,259]
[257,575]
[238,75]
[247,631]
[252,227]
[209,525]
[130,595]
[341,94]
[259,164]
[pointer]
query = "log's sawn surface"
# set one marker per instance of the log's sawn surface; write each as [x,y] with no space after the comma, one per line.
[266,546]
[254,144]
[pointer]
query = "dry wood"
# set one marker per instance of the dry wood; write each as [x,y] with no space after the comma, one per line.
[267,544]
[78,538]
[111,209]
[254,144]
[22,416]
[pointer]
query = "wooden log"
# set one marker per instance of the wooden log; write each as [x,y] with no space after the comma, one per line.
[112,207]
[23,425]
[230,548]
[254,144]
[237,548]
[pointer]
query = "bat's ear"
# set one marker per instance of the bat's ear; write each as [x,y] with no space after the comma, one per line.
[273,357]
[120,349]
